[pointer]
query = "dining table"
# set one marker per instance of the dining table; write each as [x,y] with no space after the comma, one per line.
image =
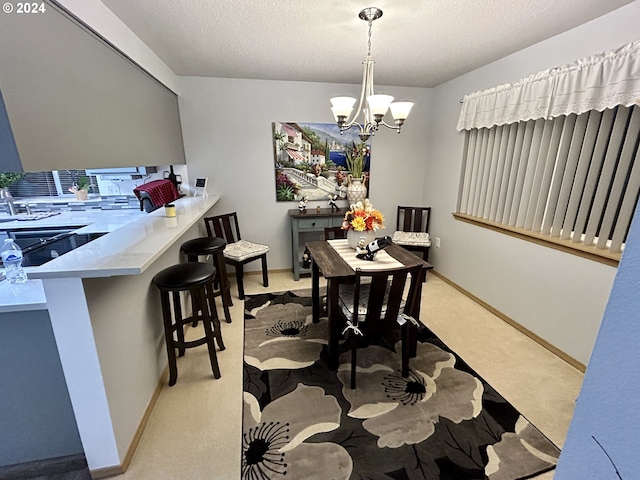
[337,263]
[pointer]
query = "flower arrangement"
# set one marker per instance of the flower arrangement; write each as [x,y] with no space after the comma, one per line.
[340,176]
[363,217]
[355,159]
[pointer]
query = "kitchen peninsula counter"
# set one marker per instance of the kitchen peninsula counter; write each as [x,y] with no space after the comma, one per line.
[134,241]
[107,320]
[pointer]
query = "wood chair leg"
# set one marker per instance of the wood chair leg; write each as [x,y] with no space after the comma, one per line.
[177,306]
[195,310]
[240,281]
[168,338]
[406,333]
[354,348]
[222,284]
[223,280]
[207,323]
[265,272]
[215,320]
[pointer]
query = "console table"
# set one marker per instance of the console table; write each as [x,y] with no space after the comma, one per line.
[309,221]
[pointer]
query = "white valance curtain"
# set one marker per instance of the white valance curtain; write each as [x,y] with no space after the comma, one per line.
[598,82]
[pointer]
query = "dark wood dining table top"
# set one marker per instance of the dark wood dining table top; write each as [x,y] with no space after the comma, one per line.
[331,264]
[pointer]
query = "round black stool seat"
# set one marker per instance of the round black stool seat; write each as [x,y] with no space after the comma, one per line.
[197,279]
[184,276]
[203,246]
[213,246]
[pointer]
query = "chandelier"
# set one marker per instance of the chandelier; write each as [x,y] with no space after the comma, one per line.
[376,106]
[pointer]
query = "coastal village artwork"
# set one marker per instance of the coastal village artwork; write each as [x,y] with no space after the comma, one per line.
[310,160]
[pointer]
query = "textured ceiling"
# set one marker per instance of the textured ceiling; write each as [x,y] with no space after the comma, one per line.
[418,43]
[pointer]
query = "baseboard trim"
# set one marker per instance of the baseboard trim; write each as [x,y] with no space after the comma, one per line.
[107,472]
[536,338]
[122,468]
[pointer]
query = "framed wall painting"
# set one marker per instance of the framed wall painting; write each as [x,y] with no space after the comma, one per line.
[310,160]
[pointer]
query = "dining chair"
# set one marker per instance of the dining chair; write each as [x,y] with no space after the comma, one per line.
[238,252]
[412,230]
[373,305]
[332,233]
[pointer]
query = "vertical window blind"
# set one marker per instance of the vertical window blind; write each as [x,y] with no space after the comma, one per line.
[574,178]
[554,156]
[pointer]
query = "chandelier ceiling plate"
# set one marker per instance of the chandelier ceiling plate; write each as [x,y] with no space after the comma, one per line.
[370,14]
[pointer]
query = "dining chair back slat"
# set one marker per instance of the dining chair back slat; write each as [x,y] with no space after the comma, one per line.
[412,229]
[375,305]
[333,233]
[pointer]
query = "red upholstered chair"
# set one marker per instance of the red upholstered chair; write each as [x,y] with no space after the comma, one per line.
[238,252]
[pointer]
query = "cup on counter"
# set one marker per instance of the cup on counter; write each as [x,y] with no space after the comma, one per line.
[170,210]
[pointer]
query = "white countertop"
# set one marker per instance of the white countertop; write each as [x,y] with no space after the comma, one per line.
[135,240]
[95,220]
[29,296]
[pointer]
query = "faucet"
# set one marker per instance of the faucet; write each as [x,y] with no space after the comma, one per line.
[8,199]
[13,208]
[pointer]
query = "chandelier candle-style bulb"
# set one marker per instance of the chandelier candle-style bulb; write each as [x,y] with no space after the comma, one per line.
[379,104]
[400,112]
[342,107]
[372,107]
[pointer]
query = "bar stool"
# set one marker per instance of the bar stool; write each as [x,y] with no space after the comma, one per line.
[213,246]
[197,279]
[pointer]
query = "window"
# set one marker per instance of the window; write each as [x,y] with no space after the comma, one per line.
[54,183]
[572,180]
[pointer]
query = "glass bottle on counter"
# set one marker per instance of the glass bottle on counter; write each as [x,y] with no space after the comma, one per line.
[11,255]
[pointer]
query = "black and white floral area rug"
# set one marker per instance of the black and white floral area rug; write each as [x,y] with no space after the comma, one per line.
[302,421]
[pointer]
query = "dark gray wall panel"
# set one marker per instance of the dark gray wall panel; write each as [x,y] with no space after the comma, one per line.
[74,102]
[36,420]
[10,162]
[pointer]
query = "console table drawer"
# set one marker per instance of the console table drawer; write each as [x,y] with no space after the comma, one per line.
[308,223]
[337,221]
[313,223]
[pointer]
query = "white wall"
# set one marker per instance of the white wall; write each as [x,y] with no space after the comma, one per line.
[558,296]
[227,134]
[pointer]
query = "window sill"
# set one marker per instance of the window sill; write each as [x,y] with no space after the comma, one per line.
[591,253]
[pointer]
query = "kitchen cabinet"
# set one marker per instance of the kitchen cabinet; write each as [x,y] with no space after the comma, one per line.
[309,221]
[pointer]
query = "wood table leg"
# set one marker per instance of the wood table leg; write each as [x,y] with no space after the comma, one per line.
[334,325]
[412,335]
[315,292]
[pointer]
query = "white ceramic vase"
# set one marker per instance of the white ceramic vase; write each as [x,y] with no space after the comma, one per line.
[356,191]
[353,237]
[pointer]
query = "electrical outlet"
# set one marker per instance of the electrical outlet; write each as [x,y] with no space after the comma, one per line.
[437,242]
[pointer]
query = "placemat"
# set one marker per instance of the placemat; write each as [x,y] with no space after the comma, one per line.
[383,259]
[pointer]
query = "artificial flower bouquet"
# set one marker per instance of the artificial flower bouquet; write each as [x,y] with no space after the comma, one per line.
[362,217]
